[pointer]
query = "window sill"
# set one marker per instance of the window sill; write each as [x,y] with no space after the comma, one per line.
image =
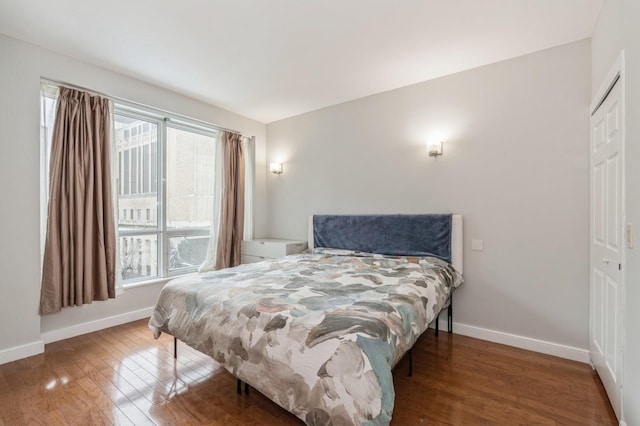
[155,281]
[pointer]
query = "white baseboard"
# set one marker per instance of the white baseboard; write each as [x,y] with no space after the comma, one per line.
[549,348]
[535,345]
[23,351]
[622,423]
[91,326]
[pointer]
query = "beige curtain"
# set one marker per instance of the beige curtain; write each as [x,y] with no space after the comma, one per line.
[79,254]
[232,210]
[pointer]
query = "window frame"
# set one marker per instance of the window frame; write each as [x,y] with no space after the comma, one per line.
[162,232]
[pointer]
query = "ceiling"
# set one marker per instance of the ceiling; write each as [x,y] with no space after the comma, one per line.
[272,59]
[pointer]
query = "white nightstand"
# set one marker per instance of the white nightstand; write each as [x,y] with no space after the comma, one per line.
[270,248]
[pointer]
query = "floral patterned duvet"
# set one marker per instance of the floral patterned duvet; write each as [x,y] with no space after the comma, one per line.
[317,333]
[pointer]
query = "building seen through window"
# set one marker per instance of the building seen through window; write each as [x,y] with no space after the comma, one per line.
[186,205]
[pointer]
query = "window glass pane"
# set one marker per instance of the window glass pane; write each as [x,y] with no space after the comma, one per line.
[138,159]
[190,173]
[187,252]
[47,118]
[139,256]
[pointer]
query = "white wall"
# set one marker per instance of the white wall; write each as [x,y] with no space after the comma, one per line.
[515,165]
[22,67]
[617,29]
[607,41]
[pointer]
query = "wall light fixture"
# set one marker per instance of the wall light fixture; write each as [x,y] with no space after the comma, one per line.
[275,168]
[435,149]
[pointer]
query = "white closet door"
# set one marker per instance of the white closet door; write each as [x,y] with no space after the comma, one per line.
[605,331]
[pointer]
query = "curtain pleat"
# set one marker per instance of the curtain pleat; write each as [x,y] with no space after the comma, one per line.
[79,254]
[232,209]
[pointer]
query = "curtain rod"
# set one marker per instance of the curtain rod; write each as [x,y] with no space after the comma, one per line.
[137,104]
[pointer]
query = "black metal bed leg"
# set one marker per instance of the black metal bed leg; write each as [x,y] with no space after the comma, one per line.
[175,348]
[450,314]
[437,323]
[239,387]
[410,363]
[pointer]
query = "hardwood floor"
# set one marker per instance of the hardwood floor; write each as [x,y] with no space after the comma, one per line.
[123,376]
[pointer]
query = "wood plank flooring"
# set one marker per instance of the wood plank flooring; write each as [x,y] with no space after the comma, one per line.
[122,376]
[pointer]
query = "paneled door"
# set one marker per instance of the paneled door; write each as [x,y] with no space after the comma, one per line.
[605,329]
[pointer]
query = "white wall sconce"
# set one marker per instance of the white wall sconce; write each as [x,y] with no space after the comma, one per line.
[275,168]
[434,149]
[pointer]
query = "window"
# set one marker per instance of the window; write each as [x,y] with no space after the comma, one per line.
[146,146]
[178,243]
[164,173]
[190,168]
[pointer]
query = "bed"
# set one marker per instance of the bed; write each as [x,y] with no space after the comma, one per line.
[319,333]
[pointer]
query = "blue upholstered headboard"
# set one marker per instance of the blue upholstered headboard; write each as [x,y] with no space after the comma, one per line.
[398,235]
